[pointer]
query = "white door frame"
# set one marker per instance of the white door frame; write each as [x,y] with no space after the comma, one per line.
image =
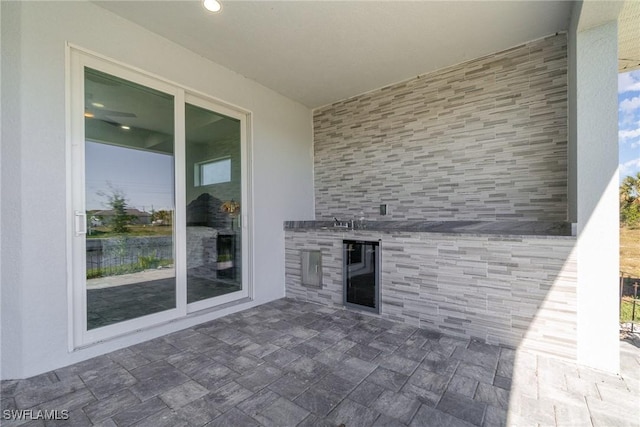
[79,336]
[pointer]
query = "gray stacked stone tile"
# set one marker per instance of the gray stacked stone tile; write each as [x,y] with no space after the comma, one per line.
[483,140]
[515,291]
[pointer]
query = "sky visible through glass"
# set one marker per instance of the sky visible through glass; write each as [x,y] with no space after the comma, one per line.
[629,123]
[145,178]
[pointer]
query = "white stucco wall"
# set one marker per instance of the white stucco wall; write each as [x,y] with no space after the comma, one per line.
[593,138]
[10,192]
[34,169]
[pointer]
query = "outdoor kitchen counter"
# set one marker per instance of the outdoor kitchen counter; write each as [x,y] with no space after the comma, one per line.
[479,228]
[510,283]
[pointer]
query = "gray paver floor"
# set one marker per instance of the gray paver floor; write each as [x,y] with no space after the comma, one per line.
[290,363]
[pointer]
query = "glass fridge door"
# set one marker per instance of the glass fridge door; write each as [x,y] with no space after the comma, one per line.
[361,260]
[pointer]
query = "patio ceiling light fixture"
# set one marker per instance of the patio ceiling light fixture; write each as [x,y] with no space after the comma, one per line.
[212,5]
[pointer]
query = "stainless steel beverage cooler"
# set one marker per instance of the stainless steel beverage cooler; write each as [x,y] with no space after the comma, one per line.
[361,274]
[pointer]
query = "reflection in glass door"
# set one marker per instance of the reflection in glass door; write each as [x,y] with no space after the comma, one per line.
[129,198]
[213,197]
[160,197]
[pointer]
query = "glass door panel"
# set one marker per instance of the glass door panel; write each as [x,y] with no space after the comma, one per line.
[361,275]
[213,196]
[129,199]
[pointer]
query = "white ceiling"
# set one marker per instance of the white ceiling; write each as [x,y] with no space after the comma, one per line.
[319,52]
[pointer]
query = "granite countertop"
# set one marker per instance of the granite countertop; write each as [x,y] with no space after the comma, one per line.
[517,228]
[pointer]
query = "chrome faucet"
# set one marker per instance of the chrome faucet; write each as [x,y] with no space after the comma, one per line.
[339,224]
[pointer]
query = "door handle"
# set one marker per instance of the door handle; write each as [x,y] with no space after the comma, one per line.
[80,223]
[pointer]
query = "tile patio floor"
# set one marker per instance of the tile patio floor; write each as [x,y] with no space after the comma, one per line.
[290,363]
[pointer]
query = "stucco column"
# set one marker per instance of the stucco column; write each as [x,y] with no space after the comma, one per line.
[596,186]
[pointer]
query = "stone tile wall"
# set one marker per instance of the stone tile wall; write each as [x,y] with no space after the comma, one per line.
[483,140]
[513,291]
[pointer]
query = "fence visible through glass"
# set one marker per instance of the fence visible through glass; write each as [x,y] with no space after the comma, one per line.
[129,198]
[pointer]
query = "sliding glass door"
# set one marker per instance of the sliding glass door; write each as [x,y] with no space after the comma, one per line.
[159,195]
[129,199]
[213,195]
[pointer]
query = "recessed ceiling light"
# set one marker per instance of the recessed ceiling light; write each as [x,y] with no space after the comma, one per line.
[212,5]
[88,115]
[125,127]
[97,104]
